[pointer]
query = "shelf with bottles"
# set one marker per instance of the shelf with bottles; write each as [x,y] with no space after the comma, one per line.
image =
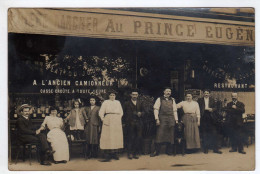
[40,105]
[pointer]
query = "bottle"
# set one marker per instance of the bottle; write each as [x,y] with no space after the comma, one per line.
[34,113]
[47,108]
[15,112]
[42,111]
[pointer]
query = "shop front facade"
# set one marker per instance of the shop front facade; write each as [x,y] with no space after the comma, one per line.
[59,55]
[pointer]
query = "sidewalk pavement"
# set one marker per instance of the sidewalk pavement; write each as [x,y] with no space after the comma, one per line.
[198,161]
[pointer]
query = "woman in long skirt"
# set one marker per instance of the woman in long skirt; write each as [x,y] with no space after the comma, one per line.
[111,140]
[191,121]
[56,136]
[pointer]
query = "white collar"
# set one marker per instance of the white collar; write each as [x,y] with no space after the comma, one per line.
[26,117]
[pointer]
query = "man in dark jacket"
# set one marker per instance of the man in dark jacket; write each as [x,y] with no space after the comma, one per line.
[235,110]
[27,134]
[208,122]
[133,111]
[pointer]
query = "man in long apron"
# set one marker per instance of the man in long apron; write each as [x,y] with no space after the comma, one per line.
[165,113]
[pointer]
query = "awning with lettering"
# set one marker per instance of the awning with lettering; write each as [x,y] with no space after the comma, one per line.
[116,24]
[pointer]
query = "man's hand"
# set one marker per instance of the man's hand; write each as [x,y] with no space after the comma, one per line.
[157,122]
[234,106]
[210,109]
[38,131]
[139,114]
[176,121]
[198,123]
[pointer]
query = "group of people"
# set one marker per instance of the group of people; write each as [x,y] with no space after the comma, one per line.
[101,126]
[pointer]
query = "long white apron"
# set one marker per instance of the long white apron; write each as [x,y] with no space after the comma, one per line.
[112,132]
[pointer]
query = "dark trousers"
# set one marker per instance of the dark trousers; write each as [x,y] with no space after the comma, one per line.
[134,132]
[211,139]
[236,138]
[210,132]
[39,139]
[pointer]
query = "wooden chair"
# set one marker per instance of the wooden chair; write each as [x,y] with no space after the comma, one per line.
[21,148]
[72,142]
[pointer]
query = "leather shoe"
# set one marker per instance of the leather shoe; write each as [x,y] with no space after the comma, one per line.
[206,151]
[232,150]
[130,156]
[242,152]
[154,154]
[217,151]
[106,160]
[135,157]
[57,162]
[45,163]
[50,152]
[115,157]
[169,153]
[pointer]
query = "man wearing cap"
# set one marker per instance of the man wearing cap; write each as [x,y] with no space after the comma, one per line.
[133,112]
[27,134]
[165,113]
[235,110]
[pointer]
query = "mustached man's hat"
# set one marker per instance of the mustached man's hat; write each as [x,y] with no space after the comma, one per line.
[24,106]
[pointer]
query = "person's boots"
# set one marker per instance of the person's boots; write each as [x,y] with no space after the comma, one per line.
[115,156]
[107,158]
[95,151]
[206,150]
[78,134]
[157,150]
[74,134]
[169,149]
[89,153]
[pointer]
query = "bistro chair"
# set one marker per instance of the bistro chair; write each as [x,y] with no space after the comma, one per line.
[22,148]
[73,143]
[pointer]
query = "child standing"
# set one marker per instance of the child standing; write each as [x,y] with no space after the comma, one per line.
[93,127]
[77,119]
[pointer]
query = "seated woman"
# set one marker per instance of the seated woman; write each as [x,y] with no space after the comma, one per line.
[56,136]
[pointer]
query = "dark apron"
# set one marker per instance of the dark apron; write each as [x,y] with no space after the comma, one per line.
[165,131]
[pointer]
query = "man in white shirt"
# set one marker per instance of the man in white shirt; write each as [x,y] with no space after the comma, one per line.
[209,127]
[165,113]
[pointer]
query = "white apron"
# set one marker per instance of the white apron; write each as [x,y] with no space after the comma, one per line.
[112,132]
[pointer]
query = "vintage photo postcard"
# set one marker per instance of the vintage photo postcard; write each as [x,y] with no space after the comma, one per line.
[93,89]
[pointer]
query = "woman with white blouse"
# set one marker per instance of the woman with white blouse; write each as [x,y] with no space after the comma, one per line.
[111,139]
[56,136]
[191,121]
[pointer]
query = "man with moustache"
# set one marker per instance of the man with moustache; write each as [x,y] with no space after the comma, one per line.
[235,109]
[27,134]
[208,124]
[133,111]
[165,113]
